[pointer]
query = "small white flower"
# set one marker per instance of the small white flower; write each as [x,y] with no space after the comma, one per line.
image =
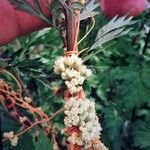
[69,85]
[59,60]
[73,90]
[74,81]
[61,67]
[75,120]
[22,119]
[88,73]
[67,82]
[92,105]
[75,110]
[39,108]
[69,73]
[82,69]
[81,80]
[9,135]
[79,141]
[82,124]
[76,74]
[64,75]
[66,112]
[69,61]
[67,122]
[84,130]
[77,61]
[87,145]
[81,111]
[89,126]
[70,103]
[79,88]
[75,139]
[56,70]
[28,99]
[71,139]
[14,141]
[83,116]
[91,116]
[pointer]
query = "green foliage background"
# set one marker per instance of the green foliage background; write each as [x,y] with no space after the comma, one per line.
[120,85]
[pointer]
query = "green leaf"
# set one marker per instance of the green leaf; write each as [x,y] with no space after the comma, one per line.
[25,6]
[43,143]
[134,90]
[27,63]
[25,142]
[112,30]
[89,10]
[141,134]
[3,63]
[113,122]
[7,122]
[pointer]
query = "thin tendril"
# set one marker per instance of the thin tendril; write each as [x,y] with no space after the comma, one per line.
[93,20]
[19,85]
[38,122]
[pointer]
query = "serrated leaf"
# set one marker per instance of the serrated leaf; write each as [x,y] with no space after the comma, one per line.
[112,30]
[141,134]
[27,63]
[113,122]
[25,6]
[110,36]
[89,10]
[15,55]
[132,89]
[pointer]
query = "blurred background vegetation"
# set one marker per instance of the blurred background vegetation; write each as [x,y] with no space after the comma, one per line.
[120,85]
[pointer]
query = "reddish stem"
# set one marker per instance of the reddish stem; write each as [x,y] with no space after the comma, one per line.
[72,32]
[72,27]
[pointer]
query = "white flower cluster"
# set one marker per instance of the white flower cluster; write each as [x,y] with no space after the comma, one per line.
[22,119]
[73,71]
[13,139]
[28,99]
[79,112]
[82,113]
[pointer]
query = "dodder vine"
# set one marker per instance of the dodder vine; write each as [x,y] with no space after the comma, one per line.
[82,124]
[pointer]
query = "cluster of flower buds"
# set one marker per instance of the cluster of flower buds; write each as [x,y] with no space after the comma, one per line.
[22,119]
[13,139]
[81,113]
[73,71]
[28,100]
